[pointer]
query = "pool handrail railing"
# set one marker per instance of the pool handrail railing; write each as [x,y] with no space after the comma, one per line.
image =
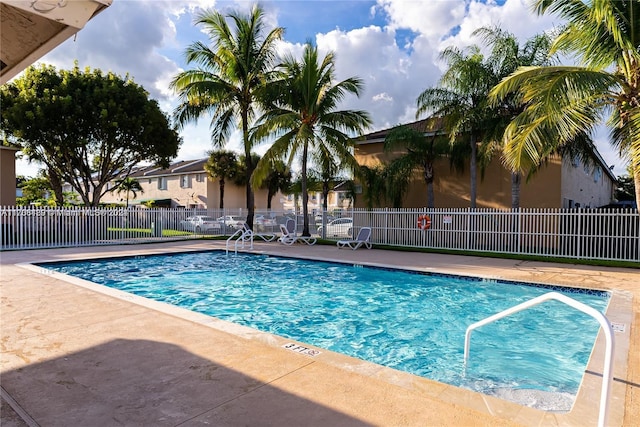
[607,375]
[241,235]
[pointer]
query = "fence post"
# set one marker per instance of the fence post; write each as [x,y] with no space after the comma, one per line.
[519,229]
[468,242]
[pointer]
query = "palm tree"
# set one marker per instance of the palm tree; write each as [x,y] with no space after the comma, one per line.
[564,101]
[372,180]
[128,185]
[461,102]
[222,165]
[419,151]
[227,82]
[303,116]
[328,171]
[278,179]
[506,57]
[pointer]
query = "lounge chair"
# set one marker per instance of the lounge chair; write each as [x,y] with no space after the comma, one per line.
[364,237]
[289,235]
[267,237]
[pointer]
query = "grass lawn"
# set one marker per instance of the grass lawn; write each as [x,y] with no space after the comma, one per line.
[136,232]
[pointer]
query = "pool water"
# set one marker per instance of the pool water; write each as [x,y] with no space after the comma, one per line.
[408,321]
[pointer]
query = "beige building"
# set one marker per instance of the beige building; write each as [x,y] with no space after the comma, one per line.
[7,176]
[338,199]
[186,184]
[562,183]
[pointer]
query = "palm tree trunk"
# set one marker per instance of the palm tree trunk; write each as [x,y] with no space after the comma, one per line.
[428,177]
[270,195]
[515,190]
[473,172]
[305,195]
[221,193]
[636,181]
[249,164]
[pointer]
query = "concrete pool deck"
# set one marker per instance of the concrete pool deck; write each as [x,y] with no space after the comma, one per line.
[74,353]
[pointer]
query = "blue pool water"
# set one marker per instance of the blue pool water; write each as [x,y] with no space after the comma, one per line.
[407,321]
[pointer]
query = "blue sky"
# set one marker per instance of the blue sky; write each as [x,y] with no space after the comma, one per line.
[393,45]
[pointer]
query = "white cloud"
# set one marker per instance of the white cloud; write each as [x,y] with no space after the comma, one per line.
[372,54]
[432,19]
[385,97]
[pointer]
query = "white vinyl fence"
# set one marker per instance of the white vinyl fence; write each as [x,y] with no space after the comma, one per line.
[605,234]
[570,233]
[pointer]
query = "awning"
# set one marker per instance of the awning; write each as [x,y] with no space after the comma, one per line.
[30,29]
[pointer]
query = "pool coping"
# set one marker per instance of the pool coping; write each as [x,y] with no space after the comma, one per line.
[619,310]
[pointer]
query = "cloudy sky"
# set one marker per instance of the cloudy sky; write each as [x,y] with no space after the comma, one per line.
[393,45]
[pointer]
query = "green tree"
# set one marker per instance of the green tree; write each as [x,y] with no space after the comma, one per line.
[87,127]
[507,55]
[243,175]
[229,79]
[460,101]
[303,116]
[329,169]
[419,150]
[372,180]
[34,190]
[624,190]
[278,179]
[222,165]
[128,186]
[564,101]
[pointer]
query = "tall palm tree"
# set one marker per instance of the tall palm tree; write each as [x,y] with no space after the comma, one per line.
[461,101]
[507,55]
[303,116]
[564,101]
[128,185]
[419,151]
[228,78]
[222,165]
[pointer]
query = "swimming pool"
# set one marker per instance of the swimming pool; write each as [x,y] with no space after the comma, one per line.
[407,321]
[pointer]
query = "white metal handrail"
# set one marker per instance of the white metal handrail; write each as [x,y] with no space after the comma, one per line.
[239,233]
[607,376]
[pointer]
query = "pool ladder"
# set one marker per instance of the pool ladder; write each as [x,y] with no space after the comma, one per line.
[607,376]
[241,235]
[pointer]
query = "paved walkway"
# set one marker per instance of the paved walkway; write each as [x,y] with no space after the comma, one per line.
[77,354]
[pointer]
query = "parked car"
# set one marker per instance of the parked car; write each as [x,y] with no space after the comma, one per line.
[263,221]
[200,224]
[232,221]
[318,218]
[341,227]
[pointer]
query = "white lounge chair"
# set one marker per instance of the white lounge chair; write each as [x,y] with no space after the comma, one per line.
[267,237]
[289,235]
[363,238]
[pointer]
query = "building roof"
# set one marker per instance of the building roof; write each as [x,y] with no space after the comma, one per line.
[178,168]
[428,126]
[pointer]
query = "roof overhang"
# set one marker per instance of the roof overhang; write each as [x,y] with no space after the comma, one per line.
[29,29]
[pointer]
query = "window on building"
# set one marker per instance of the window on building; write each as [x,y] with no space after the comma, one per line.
[162,183]
[185,181]
[200,177]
